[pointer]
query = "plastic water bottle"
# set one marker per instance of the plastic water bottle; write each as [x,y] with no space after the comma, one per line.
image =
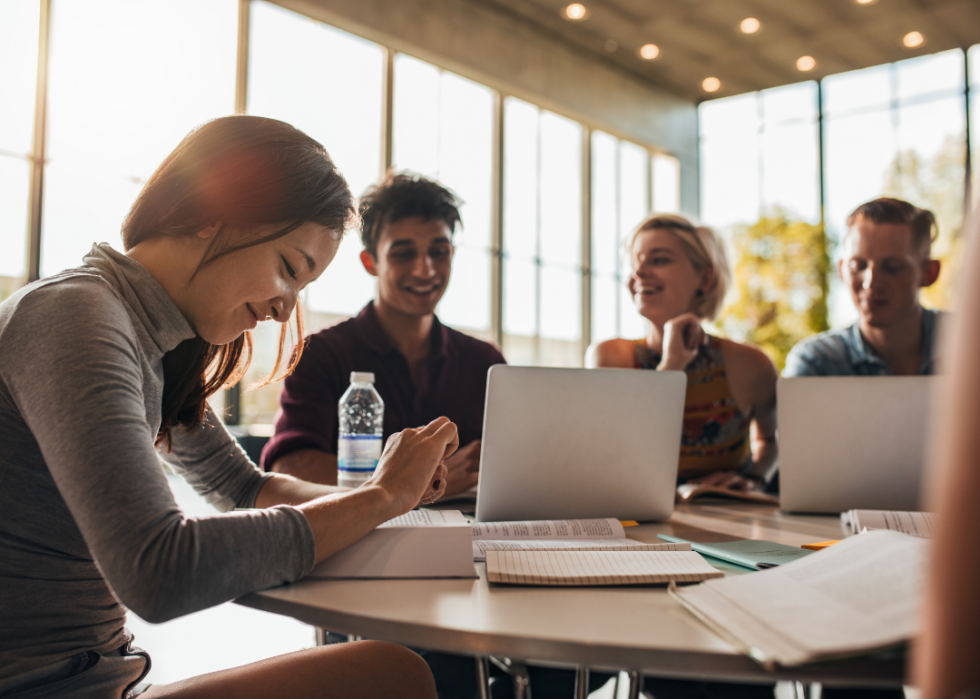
[361,412]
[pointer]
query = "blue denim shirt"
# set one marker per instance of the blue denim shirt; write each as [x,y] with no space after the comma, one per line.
[846,353]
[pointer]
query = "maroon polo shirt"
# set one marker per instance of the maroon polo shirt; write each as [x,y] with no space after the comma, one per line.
[452,382]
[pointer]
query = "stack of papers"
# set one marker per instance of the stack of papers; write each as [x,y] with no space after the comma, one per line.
[856,597]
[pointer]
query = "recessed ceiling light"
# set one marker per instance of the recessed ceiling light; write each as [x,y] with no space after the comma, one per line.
[913,39]
[864,2]
[576,11]
[649,51]
[805,63]
[711,84]
[750,25]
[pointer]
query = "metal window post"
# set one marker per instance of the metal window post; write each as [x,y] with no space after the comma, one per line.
[586,261]
[497,223]
[387,111]
[38,147]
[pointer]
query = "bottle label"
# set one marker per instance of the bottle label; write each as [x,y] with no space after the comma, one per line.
[359,452]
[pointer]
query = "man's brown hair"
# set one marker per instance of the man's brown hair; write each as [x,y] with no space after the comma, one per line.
[921,222]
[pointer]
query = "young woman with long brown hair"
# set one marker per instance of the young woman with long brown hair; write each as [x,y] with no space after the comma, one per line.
[104,366]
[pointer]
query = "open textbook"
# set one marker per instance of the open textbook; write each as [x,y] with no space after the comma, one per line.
[420,544]
[587,568]
[921,524]
[856,597]
[557,534]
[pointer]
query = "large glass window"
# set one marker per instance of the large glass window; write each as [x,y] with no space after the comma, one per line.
[293,76]
[907,142]
[542,234]
[621,199]
[127,82]
[895,130]
[443,129]
[18,80]
[974,59]
[759,154]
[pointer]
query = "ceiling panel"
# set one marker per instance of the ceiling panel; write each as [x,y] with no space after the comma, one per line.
[701,38]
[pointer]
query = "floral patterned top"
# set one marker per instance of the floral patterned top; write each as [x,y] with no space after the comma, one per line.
[715,436]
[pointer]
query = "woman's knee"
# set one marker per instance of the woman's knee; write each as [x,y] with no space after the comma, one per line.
[405,666]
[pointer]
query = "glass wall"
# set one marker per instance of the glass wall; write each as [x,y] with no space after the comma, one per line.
[542,234]
[292,77]
[127,81]
[891,130]
[18,84]
[974,95]
[759,154]
[621,199]
[443,129]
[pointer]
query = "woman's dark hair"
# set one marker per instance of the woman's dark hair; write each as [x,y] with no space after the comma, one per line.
[239,173]
[403,195]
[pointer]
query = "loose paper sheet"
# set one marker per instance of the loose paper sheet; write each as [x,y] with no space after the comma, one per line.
[921,524]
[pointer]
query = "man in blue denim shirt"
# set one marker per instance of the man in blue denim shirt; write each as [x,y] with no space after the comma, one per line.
[885,261]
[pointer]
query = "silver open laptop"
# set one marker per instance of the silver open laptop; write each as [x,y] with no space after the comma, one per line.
[850,442]
[577,443]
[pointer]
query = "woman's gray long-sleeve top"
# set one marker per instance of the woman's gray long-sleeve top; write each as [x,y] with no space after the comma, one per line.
[87,521]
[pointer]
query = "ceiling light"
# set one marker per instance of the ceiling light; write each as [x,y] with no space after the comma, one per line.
[750,25]
[913,39]
[805,63]
[649,51]
[864,2]
[711,84]
[576,11]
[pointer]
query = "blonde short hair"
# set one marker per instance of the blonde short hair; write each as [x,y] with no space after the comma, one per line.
[705,250]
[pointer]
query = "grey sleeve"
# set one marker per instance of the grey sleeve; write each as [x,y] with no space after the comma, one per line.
[210,459]
[71,362]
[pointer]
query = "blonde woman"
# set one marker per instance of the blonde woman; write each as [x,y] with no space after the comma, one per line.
[679,278]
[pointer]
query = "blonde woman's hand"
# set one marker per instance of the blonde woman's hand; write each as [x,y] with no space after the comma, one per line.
[411,469]
[682,338]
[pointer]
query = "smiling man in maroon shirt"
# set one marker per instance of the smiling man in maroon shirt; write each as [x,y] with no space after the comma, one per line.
[422,368]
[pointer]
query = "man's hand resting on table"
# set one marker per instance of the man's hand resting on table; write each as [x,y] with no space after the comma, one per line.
[730,480]
[463,469]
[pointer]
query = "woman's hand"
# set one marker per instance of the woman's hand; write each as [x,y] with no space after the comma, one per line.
[682,338]
[411,469]
[729,480]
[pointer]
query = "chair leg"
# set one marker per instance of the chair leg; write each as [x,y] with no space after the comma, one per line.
[635,681]
[482,677]
[518,672]
[581,682]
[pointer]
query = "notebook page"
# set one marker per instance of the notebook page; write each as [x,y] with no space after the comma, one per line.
[580,568]
[861,594]
[551,529]
[481,546]
[921,524]
[427,518]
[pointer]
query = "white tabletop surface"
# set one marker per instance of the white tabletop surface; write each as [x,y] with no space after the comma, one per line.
[638,628]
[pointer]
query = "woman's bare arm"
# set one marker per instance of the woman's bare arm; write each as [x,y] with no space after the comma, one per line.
[411,470]
[946,657]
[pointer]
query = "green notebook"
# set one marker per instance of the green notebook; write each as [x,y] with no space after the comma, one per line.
[749,553]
